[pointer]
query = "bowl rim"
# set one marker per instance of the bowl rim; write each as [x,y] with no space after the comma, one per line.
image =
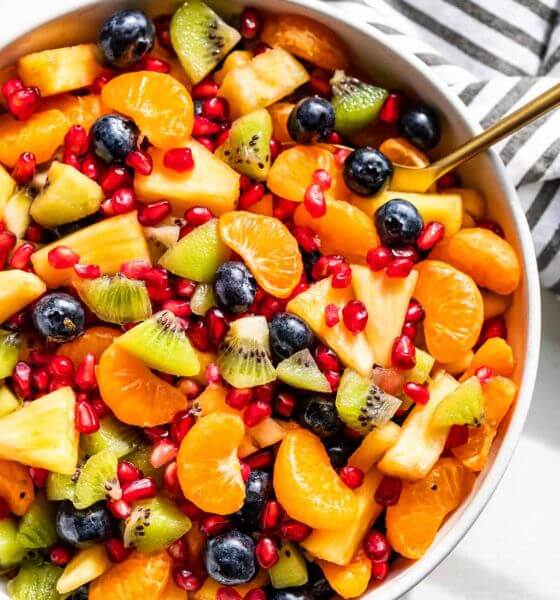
[417,571]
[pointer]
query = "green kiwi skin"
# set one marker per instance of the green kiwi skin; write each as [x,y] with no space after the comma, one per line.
[141,459]
[203,299]
[36,528]
[61,487]
[290,570]
[35,581]
[301,371]
[98,480]
[113,435]
[11,550]
[9,352]
[162,344]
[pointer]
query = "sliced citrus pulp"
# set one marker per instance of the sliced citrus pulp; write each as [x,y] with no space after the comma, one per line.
[401,152]
[495,353]
[16,486]
[348,581]
[95,340]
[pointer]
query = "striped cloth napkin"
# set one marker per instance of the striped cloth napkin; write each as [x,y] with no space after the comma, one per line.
[497,55]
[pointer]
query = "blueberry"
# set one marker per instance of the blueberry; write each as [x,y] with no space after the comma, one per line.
[318,414]
[258,490]
[234,287]
[398,223]
[198,107]
[309,259]
[420,124]
[126,36]
[295,593]
[318,585]
[311,118]
[339,452]
[366,171]
[81,528]
[288,335]
[230,558]
[59,317]
[82,593]
[113,137]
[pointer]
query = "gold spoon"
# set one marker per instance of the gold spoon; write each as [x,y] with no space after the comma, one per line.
[419,179]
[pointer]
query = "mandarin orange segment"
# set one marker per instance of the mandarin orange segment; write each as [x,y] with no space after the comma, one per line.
[135,394]
[344,230]
[495,353]
[79,110]
[454,310]
[413,523]
[160,105]
[307,39]
[494,304]
[139,576]
[348,581]
[207,465]
[268,248]
[95,340]
[486,257]
[16,487]
[308,487]
[280,113]
[401,152]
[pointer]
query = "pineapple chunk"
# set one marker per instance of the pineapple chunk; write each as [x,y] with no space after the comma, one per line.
[473,202]
[67,196]
[420,443]
[109,244]
[7,188]
[353,350]
[237,58]
[374,446]
[386,300]
[43,433]
[446,209]
[17,290]
[87,565]
[8,402]
[339,546]
[16,214]
[60,70]
[211,183]
[268,78]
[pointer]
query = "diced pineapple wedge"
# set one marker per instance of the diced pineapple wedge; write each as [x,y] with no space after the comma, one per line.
[17,290]
[420,443]
[7,187]
[268,78]
[473,202]
[211,183]
[16,214]
[374,446]
[43,433]
[109,244]
[60,70]
[8,402]
[87,565]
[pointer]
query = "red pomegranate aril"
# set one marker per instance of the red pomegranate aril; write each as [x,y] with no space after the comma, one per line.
[162,24]
[150,215]
[327,360]
[431,235]
[222,137]
[198,335]
[21,379]
[449,180]
[35,233]
[179,159]
[256,413]
[207,88]
[399,267]
[331,315]
[403,355]
[91,168]
[392,108]
[69,158]
[213,525]
[379,258]
[266,552]
[76,140]
[61,366]
[207,142]
[341,276]
[333,378]
[10,87]
[159,295]
[156,277]
[417,392]
[294,531]
[180,308]
[334,138]
[204,127]
[340,155]
[100,81]
[182,424]
[406,252]
[484,374]
[239,398]
[414,312]
[251,196]
[271,515]
[409,329]
[87,271]
[256,594]
[198,215]
[40,379]
[185,230]
[135,269]
[320,84]
[179,552]
[149,63]
[23,103]
[251,24]
[59,382]
[38,476]
[86,419]
[355,316]
[263,459]
[100,408]
[7,242]
[275,148]
[163,453]
[492,226]
[127,472]
[314,201]
[389,491]
[62,257]
[60,555]
[25,167]
[40,358]
[4,509]
[307,239]
[283,209]
[139,489]
[265,393]
[457,436]
[323,179]
[123,201]
[271,306]
[191,510]
[85,374]
[120,509]
[285,404]
[115,177]
[216,108]
[116,550]
[217,326]
[21,257]
[379,570]
[352,476]
[154,434]
[141,162]
[227,593]
[494,327]
[377,547]
[185,288]
[245,471]
[326,265]
[186,580]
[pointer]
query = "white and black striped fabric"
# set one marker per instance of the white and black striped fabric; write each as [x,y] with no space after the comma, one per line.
[497,55]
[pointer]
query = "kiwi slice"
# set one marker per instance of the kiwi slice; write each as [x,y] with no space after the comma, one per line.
[116,299]
[290,570]
[62,487]
[8,401]
[247,148]
[112,435]
[141,459]
[244,357]
[463,406]
[356,104]
[162,344]
[35,580]
[16,213]
[98,480]
[11,551]
[9,352]
[301,371]
[160,239]
[36,528]
[200,38]
[203,299]
[154,524]
[422,369]
[362,405]
[198,255]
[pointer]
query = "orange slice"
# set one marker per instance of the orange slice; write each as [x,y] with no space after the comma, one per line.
[160,105]
[454,309]
[495,353]
[208,467]
[79,110]
[401,152]
[280,113]
[16,486]
[268,248]
[95,340]
[135,394]
[308,487]
[351,580]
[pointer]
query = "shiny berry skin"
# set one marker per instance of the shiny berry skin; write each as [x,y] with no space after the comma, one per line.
[366,171]
[377,546]
[82,593]
[318,585]
[355,316]
[234,287]
[113,137]
[339,452]
[295,593]
[403,355]
[229,558]
[258,490]
[179,159]
[318,414]
[289,334]
[311,119]
[125,37]
[81,528]
[398,223]
[59,317]
[420,125]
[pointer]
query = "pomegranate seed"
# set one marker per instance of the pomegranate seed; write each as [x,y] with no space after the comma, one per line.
[256,413]
[251,24]
[61,366]
[123,201]
[7,242]
[340,155]
[494,327]
[323,179]
[320,84]
[207,88]
[285,404]
[251,196]
[198,215]
[265,392]
[21,378]
[283,209]
[91,168]
[217,326]
[127,472]
[85,374]
[178,551]
[163,453]
[326,359]
[417,392]
[100,408]
[135,269]
[409,329]
[449,180]
[275,148]
[76,140]
[213,525]
[69,158]
[271,515]
[399,267]
[21,257]
[157,277]
[263,459]
[389,491]
[115,177]
[139,489]
[185,230]
[492,226]
[39,358]
[377,547]
[266,552]
[308,240]
[414,312]
[457,436]
[60,555]
[256,594]
[431,235]
[87,271]
[10,87]
[223,136]
[180,308]
[379,258]
[326,265]
[484,374]
[334,138]
[150,215]
[149,63]
[39,476]
[352,477]
[62,257]
[25,167]
[212,374]
[140,161]
[392,108]
[216,108]
[342,276]
[227,593]
[207,142]
[23,103]
[182,424]
[86,419]
[159,295]
[294,531]
[245,471]
[60,382]
[244,182]
[120,509]
[239,398]
[162,24]
[185,288]
[203,126]
[379,570]
[355,316]
[116,550]
[100,81]
[409,252]
[179,159]
[40,379]
[191,510]
[198,335]
[333,378]
[331,315]
[314,201]
[271,306]
[186,580]
[403,355]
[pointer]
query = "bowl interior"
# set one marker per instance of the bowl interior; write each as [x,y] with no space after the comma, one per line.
[381,58]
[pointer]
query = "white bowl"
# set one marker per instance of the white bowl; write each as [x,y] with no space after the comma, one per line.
[50,25]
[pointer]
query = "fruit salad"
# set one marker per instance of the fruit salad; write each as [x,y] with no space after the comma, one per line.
[234,361]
